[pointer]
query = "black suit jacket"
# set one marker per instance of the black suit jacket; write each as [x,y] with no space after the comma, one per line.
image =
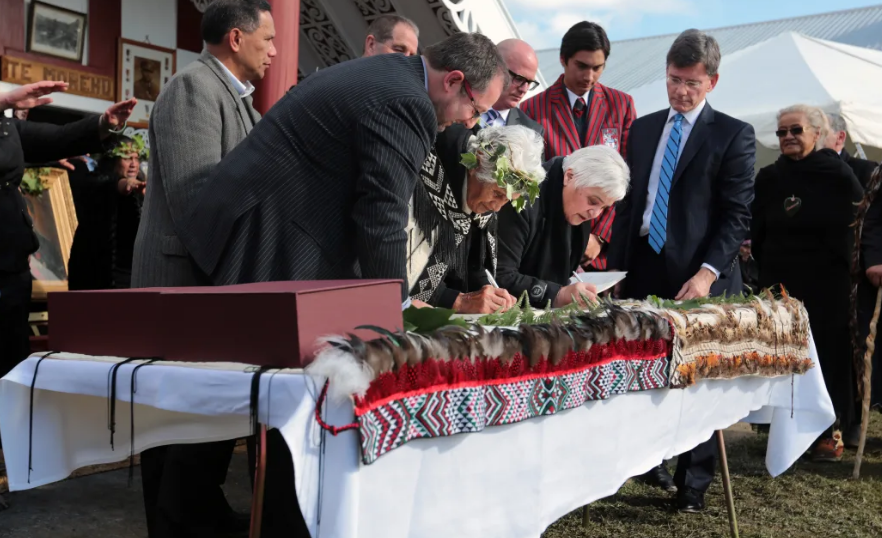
[517,117]
[709,206]
[862,168]
[538,248]
[320,187]
[28,141]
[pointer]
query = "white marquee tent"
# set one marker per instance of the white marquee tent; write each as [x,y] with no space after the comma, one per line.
[788,69]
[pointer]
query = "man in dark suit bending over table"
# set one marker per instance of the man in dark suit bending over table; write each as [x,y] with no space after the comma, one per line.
[678,231]
[320,188]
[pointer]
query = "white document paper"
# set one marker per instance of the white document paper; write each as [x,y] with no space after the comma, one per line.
[602,281]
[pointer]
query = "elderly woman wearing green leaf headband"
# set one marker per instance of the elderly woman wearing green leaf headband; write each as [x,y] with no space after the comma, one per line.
[451,233]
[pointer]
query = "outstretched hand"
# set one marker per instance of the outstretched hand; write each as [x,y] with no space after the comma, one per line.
[118,113]
[31,95]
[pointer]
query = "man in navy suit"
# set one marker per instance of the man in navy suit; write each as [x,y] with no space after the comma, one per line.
[679,230]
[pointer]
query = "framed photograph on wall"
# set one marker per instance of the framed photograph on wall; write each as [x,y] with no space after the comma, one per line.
[56,31]
[144,70]
[55,222]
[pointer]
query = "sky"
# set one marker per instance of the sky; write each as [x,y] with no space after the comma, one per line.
[542,23]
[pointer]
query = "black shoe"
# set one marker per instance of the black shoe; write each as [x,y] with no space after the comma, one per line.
[660,478]
[690,501]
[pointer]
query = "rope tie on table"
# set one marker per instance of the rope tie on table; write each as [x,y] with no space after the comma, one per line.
[335,430]
[31,416]
[111,397]
[133,388]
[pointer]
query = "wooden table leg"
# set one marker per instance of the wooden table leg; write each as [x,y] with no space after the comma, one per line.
[727,485]
[259,483]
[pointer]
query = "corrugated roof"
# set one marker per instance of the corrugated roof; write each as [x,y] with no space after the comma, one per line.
[635,62]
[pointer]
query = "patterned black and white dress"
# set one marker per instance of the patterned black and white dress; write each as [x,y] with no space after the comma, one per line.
[449,246]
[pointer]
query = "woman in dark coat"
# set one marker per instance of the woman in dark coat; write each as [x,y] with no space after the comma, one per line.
[111,199]
[20,142]
[540,247]
[802,238]
[451,232]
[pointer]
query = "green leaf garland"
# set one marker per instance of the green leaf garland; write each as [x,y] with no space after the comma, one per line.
[507,177]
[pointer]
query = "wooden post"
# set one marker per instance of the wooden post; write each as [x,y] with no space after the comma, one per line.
[868,375]
[727,485]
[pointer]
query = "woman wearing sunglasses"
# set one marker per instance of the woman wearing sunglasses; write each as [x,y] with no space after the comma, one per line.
[802,239]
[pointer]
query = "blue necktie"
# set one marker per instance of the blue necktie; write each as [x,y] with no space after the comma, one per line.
[489,117]
[658,224]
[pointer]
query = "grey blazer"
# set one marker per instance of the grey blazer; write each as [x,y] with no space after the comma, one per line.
[198,118]
[517,117]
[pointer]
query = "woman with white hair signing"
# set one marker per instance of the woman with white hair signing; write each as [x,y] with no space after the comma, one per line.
[802,238]
[540,247]
[451,233]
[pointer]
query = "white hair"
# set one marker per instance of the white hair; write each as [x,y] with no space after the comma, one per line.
[524,149]
[601,167]
[816,119]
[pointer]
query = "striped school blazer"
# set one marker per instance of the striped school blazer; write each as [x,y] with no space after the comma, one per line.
[609,121]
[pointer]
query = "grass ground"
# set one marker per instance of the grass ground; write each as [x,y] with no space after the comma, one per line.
[809,500]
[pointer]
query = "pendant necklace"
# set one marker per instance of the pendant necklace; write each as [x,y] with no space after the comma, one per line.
[792,205]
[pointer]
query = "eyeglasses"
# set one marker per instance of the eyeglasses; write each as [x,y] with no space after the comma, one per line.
[690,84]
[468,90]
[520,80]
[795,131]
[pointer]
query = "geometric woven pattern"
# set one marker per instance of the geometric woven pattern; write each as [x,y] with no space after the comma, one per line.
[473,408]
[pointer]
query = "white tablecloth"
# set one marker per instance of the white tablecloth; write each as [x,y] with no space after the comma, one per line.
[510,481]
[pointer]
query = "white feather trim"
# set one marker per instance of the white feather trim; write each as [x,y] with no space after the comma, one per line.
[348,376]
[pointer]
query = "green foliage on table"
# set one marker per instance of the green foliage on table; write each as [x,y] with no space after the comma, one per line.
[739,298]
[427,320]
[523,314]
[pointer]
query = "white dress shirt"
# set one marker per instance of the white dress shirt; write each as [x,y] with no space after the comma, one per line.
[688,123]
[244,89]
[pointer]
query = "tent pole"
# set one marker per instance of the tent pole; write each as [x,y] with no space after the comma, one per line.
[860,150]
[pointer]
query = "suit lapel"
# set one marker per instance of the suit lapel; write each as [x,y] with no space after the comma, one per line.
[597,114]
[563,117]
[649,143]
[697,138]
[513,117]
[219,72]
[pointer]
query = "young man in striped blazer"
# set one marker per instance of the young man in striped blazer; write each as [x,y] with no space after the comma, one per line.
[577,111]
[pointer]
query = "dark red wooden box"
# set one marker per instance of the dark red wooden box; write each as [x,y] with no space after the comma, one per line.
[267,323]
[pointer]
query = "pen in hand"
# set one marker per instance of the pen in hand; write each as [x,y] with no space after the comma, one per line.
[491,279]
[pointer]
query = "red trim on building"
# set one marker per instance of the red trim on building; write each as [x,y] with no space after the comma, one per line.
[189,22]
[104,27]
[12,24]
[282,74]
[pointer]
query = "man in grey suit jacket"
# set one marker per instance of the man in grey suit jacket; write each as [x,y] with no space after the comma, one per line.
[320,189]
[201,115]
[522,64]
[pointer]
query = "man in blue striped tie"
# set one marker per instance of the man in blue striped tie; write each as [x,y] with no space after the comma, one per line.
[679,230]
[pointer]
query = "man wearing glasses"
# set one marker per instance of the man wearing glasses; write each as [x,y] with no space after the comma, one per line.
[679,230]
[577,112]
[520,58]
